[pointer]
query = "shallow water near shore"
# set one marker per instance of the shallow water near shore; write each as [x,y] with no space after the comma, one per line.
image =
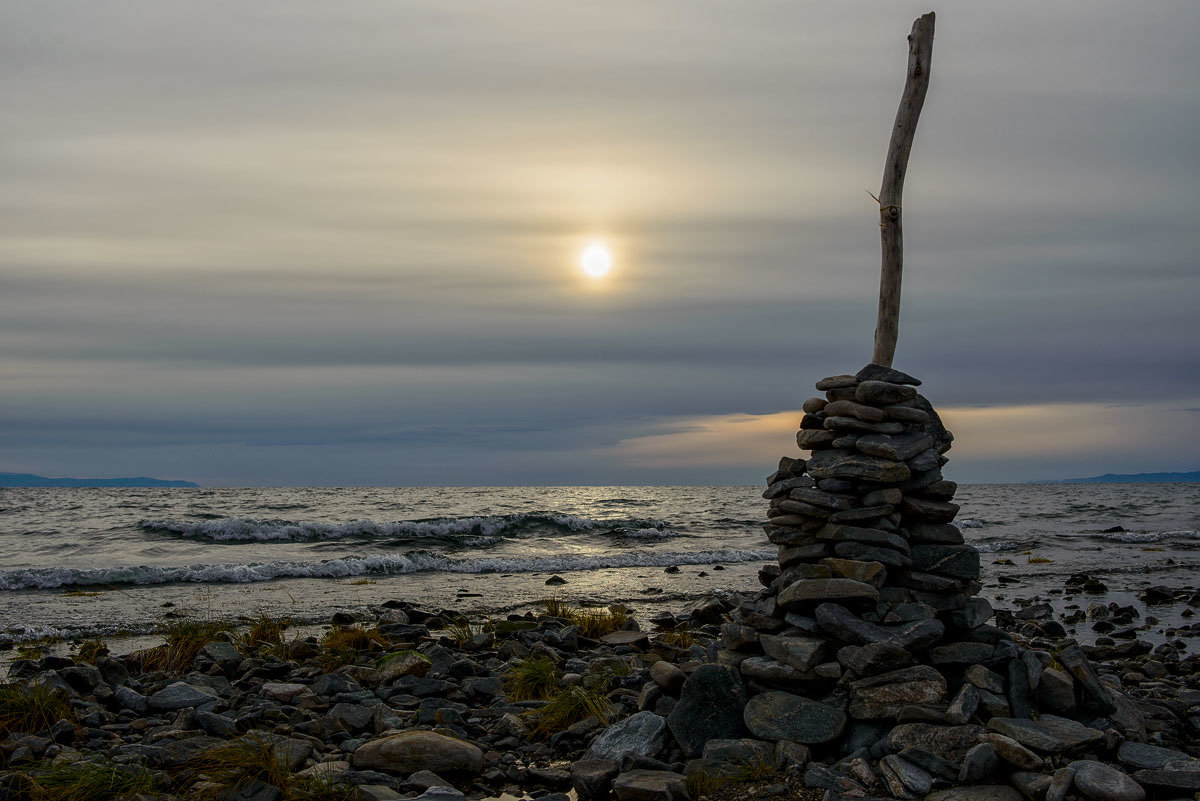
[76,562]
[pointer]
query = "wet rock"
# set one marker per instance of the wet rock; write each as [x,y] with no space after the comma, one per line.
[1170,780]
[978,792]
[650,785]
[956,561]
[1099,696]
[180,695]
[979,763]
[948,742]
[668,676]
[851,465]
[1050,734]
[1102,782]
[883,696]
[1141,756]
[593,778]
[883,393]
[848,627]
[1032,785]
[783,716]
[801,653]
[710,707]
[1013,752]
[411,751]
[642,734]
[808,591]
[903,778]
[1056,691]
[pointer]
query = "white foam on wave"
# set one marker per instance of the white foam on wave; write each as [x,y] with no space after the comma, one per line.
[474,531]
[1148,536]
[995,546]
[381,564]
[969,523]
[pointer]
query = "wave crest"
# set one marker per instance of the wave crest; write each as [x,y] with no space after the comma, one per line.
[379,565]
[469,531]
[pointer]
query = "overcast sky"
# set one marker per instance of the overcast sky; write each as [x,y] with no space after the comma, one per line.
[301,242]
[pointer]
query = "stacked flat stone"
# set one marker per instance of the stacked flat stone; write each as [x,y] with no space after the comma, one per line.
[873,596]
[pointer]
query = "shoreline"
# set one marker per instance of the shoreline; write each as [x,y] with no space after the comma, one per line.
[446,685]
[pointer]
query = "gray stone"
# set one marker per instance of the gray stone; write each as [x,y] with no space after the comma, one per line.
[1049,735]
[977,612]
[710,708]
[1170,779]
[850,465]
[877,372]
[743,751]
[854,426]
[783,716]
[801,653]
[903,778]
[668,676]
[1142,756]
[883,393]
[1102,782]
[1032,785]
[869,536]
[883,696]
[836,382]
[809,591]
[977,792]
[1100,698]
[984,679]
[857,515]
[980,762]
[926,460]
[843,624]
[961,653]
[897,447]
[1014,753]
[849,408]
[905,414]
[354,717]
[956,561]
[812,438]
[223,653]
[826,500]
[936,766]
[860,552]
[650,785]
[642,734]
[216,725]
[873,573]
[948,742]
[873,658]
[410,751]
[780,488]
[963,707]
[593,778]
[180,695]
[126,698]
[376,792]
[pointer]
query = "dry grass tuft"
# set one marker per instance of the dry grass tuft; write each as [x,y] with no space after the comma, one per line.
[531,680]
[85,781]
[31,708]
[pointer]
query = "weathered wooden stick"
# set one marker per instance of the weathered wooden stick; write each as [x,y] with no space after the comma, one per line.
[920,53]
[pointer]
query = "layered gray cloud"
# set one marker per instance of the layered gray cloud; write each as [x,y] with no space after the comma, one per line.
[309,242]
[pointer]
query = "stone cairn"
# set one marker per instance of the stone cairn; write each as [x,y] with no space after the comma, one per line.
[868,636]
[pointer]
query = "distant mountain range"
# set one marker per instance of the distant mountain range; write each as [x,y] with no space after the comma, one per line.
[30,480]
[1132,478]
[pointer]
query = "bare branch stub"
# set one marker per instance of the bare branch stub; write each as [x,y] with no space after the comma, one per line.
[920,54]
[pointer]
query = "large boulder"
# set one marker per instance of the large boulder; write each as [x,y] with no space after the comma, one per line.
[883,696]
[783,716]
[410,751]
[710,708]
[641,734]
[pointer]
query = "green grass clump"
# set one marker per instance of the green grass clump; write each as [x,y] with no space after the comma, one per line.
[569,706]
[557,607]
[681,638]
[241,762]
[31,708]
[264,636]
[85,781]
[531,680]
[595,623]
[184,639]
[91,650]
[343,645]
[461,630]
[703,782]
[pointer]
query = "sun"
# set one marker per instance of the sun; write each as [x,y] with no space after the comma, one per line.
[596,260]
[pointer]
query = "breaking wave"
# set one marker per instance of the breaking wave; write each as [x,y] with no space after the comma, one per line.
[468,531]
[1147,536]
[376,565]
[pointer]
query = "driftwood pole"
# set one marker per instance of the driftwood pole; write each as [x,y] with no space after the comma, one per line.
[920,53]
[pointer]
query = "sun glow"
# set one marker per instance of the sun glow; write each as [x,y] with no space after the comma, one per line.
[596,260]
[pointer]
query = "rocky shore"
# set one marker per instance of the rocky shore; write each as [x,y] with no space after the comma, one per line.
[426,708]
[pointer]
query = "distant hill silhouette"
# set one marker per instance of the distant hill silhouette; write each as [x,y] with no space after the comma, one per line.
[30,480]
[1132,478]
